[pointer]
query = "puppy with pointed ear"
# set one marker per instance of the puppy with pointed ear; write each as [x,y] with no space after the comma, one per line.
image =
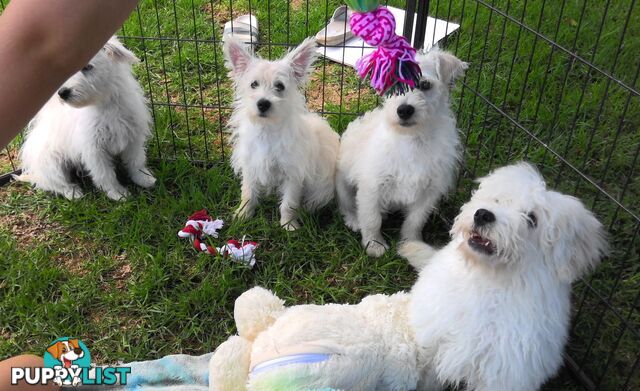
[402,156]
[447,67]
[278,145]
[98,114]
[116,51]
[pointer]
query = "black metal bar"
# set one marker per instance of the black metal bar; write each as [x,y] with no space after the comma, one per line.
[408,19]
[580,375]
[164,75]
[421,24]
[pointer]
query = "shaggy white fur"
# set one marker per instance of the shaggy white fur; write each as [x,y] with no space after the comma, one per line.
[402,156]
[490,310]
[278,145]
[100,112]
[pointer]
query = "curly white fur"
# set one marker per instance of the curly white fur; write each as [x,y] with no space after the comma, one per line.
[389,163]
[494,321]
[284,148]
[495,316]
[100,112]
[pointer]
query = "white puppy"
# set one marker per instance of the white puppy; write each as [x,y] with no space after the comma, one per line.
[491,309]
[99,113]
[402,156]
[278,145]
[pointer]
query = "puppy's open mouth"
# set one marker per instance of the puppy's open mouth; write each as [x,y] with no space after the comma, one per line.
[480,243]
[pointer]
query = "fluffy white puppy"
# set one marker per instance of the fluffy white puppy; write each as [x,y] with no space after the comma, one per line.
[491,309]
[99,113]
[401,156]
[278,145]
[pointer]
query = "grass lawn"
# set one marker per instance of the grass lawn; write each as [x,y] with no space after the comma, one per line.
[117,276]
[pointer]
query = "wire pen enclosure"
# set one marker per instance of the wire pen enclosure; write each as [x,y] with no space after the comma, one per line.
[551,82]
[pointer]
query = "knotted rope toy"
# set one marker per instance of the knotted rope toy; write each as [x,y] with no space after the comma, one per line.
[197,227]
[392,66]
[200,225]
[243,251]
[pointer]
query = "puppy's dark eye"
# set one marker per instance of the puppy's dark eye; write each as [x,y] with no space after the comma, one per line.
[532,219]
[254,84]
[279,86]
[424,85]
[87,68]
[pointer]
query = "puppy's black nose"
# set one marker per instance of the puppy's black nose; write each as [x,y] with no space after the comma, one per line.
[405,111]
[263,105]
[64,93]
[77,351]
[482,217]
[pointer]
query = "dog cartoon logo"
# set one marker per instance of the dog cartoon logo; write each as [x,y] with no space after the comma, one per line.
[70,354]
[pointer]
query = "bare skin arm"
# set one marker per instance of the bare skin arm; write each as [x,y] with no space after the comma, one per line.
[42,43]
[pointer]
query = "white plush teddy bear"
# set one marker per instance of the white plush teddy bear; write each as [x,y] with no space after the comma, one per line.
[367,346]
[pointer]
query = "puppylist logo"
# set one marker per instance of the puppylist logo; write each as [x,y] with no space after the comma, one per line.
[67,362]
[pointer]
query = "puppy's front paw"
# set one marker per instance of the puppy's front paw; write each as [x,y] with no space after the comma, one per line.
[290,225]
[375,247]
[243,213]
[72,193]
[118,194]
[352,223]
[143,178]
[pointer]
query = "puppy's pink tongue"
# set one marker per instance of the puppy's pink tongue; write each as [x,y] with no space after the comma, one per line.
[67,363]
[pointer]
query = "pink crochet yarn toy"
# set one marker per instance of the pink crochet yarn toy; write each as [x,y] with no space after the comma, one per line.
[392,66]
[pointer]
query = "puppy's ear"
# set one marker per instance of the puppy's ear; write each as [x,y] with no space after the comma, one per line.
[55,350]
[74,343]
[575,239]
[237,58]
[116,51]
[448,67]
[301,58]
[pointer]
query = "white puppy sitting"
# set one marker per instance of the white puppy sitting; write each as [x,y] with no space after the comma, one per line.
[99,113]
[402,156]
[491,309]
[278,145]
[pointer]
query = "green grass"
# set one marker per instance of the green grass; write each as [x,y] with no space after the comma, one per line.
[117,276]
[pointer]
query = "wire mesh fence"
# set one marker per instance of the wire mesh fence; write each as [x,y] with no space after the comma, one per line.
[552,82]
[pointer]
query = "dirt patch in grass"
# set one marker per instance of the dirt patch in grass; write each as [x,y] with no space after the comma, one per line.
[8,160]
[30,229]
[331,93]
[221,12]
[120,274]
[297,4]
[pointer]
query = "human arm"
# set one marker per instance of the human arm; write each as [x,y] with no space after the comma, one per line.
[42,43]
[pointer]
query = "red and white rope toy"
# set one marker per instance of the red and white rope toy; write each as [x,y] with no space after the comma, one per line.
[240,251]
[199,225]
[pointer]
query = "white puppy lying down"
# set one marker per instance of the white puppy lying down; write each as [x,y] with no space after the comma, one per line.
[402,156]
[99,113]
[490,309]
[278,145]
